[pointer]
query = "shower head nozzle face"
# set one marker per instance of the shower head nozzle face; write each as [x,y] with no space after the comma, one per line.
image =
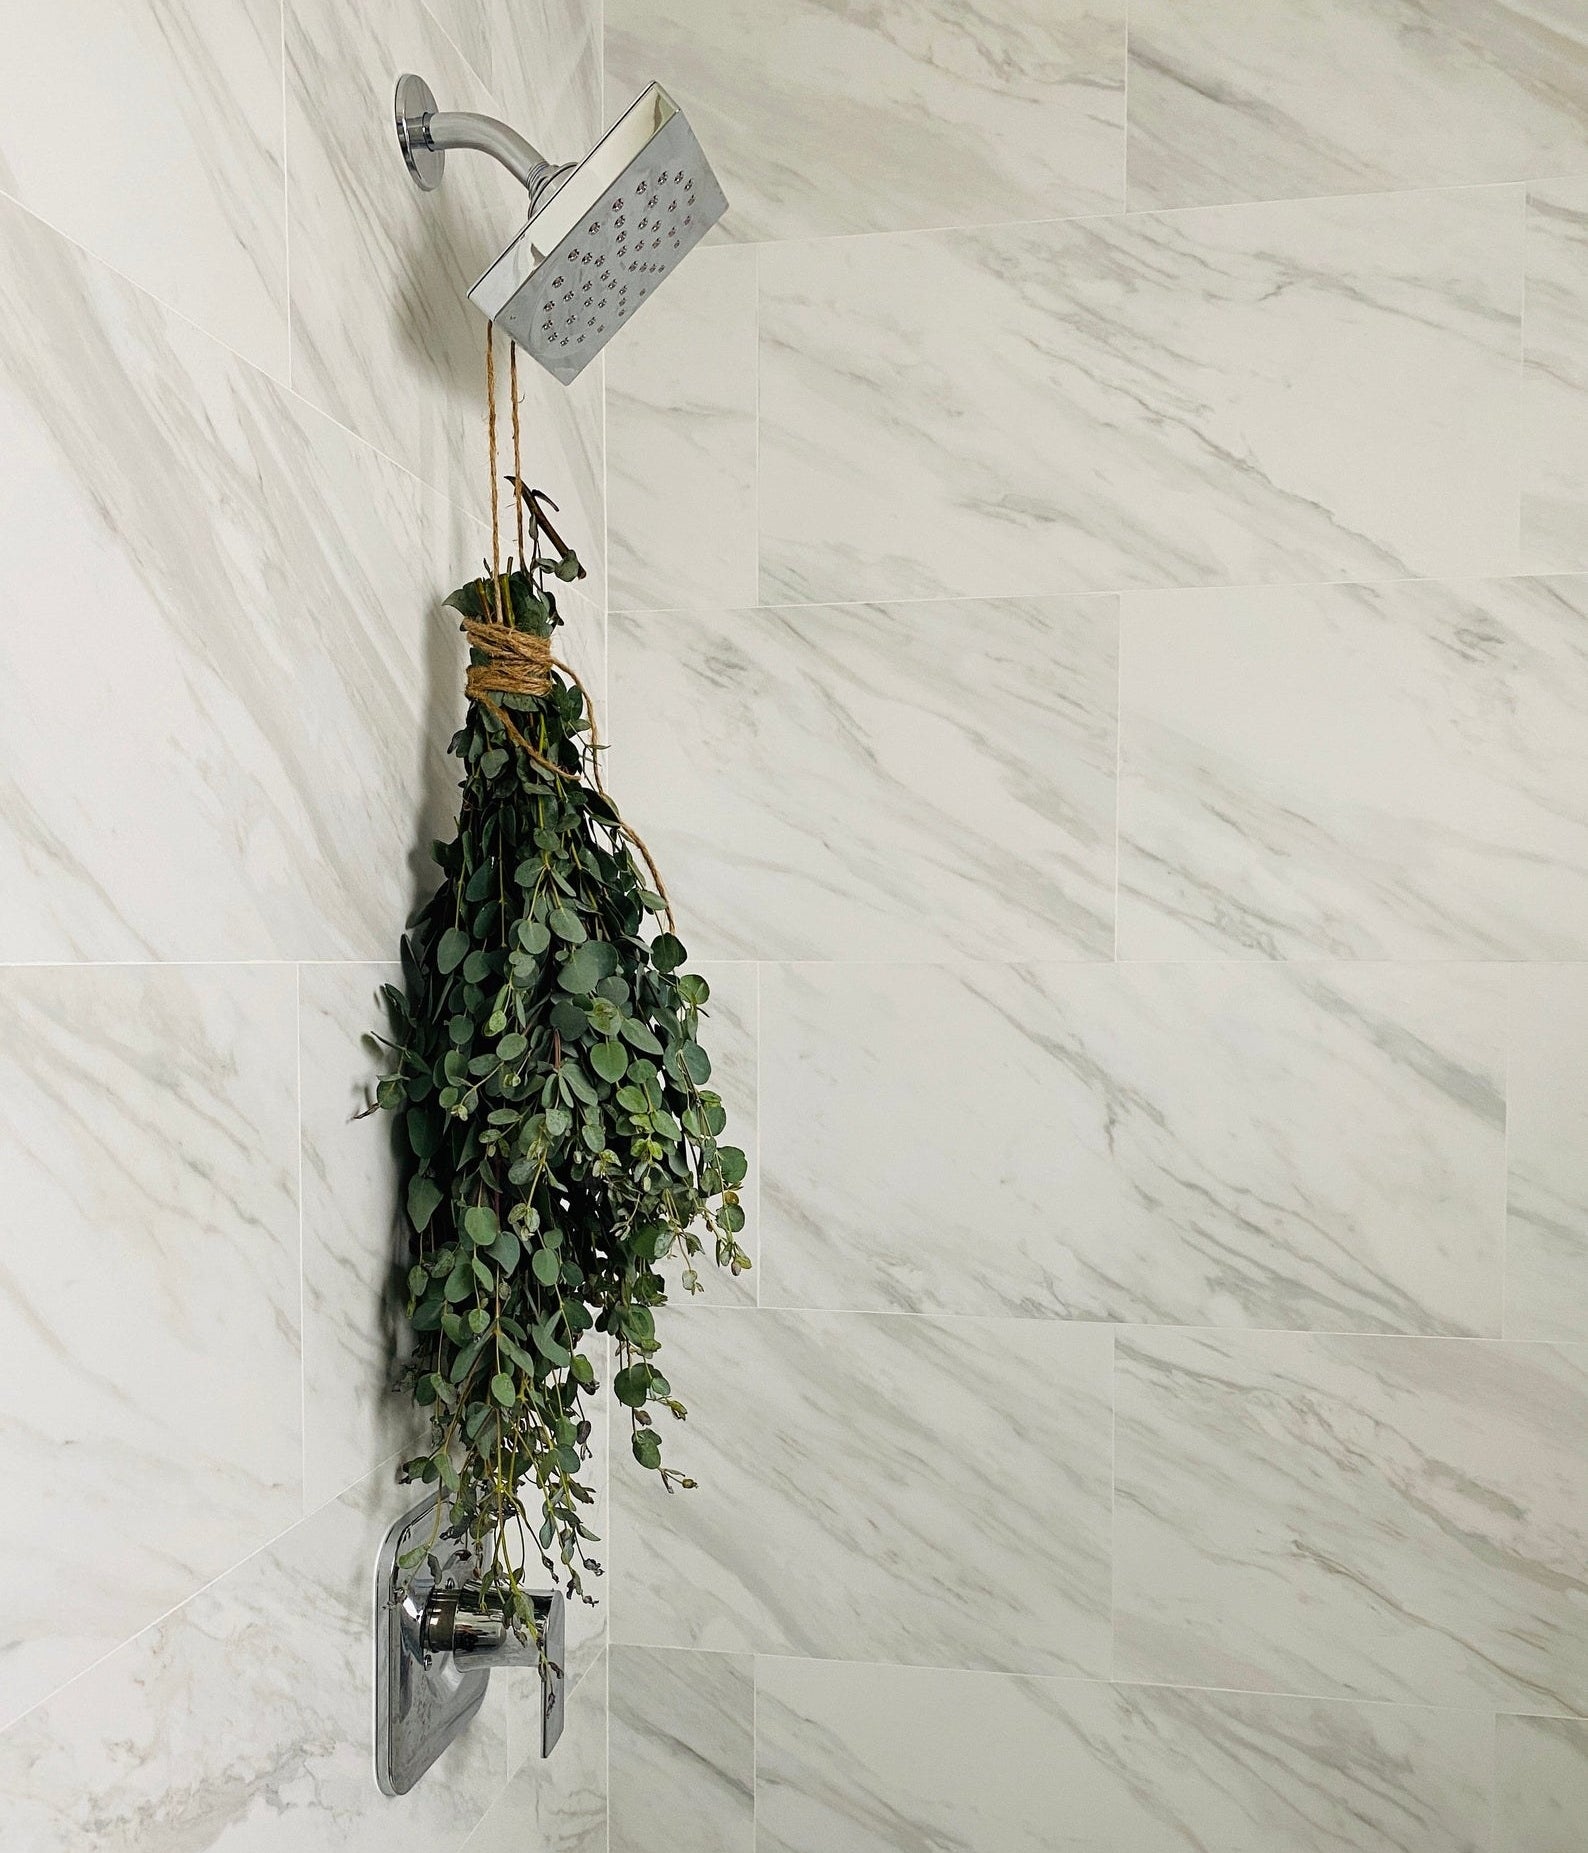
[637,204]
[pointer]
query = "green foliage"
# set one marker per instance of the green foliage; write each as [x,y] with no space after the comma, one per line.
[559,1139]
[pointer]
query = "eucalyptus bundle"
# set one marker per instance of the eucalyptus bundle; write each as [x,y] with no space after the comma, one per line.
[560,1139]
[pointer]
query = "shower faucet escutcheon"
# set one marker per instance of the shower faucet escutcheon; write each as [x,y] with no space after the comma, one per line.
[437,1642]
[602,233]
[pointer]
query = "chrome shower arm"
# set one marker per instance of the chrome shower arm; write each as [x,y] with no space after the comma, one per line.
[461,128]
[426,133]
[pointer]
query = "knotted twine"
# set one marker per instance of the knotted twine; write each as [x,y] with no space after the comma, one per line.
[520,662]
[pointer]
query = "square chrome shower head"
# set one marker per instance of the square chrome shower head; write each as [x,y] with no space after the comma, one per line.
[598,245]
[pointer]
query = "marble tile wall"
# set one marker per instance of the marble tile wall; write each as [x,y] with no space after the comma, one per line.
[1096,628]
[241,460]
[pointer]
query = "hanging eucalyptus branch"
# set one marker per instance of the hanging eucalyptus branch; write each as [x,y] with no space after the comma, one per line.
[560,1139]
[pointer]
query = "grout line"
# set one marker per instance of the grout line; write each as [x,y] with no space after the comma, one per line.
[1097,1682]
[1079,594]
[1505,1150]
[755,1752]
[303,1375]
[1119,756]
[1113,1504]
[1119,1327]
[1124,138]
[286,195]
[949,962]
[755,467]
[1107,215]
[179,963]
[1525,450]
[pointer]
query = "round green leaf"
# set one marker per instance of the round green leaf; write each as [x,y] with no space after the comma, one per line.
[452,949]
[667,952]
[423,1199]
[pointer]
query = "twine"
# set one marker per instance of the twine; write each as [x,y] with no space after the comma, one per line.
[520,662]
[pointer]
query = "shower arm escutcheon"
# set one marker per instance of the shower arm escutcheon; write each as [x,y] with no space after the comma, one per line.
[425,133]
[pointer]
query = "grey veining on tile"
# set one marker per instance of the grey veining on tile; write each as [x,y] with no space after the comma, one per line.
[915,781]
[1386,1518]
[876,1487]
[384,338]
[1311,390]
[681,440]
[557,1803]
[682,1751]
[1232,101]
[149,1323]
[150,132]
[352,1293]
[1546,1246]
[869,1759]
[541,59]
[823,118]
[262,679]
[242,1722]
[1355,772]
[1318,1147]
[1555,378]
[1541,1787]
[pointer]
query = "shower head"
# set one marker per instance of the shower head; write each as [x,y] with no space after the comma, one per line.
[603,233]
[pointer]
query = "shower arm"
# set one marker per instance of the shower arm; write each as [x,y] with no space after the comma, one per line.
[427,133]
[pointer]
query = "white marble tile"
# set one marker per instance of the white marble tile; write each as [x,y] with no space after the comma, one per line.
[1384,1518]
[541,59]
[352,1309]
[1307,1147]
[1359,772]
[1232,101]
[243,1722]
[1308,390]
[846,119]
[875,1487]
[1546,1244]
[867,1759]
[1555,379]
[917,781]
[149,1386]
[557,1804]
[383,335]
[1541,1788]
[681,440]
[246,600]
[152,135]
[682,1751]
